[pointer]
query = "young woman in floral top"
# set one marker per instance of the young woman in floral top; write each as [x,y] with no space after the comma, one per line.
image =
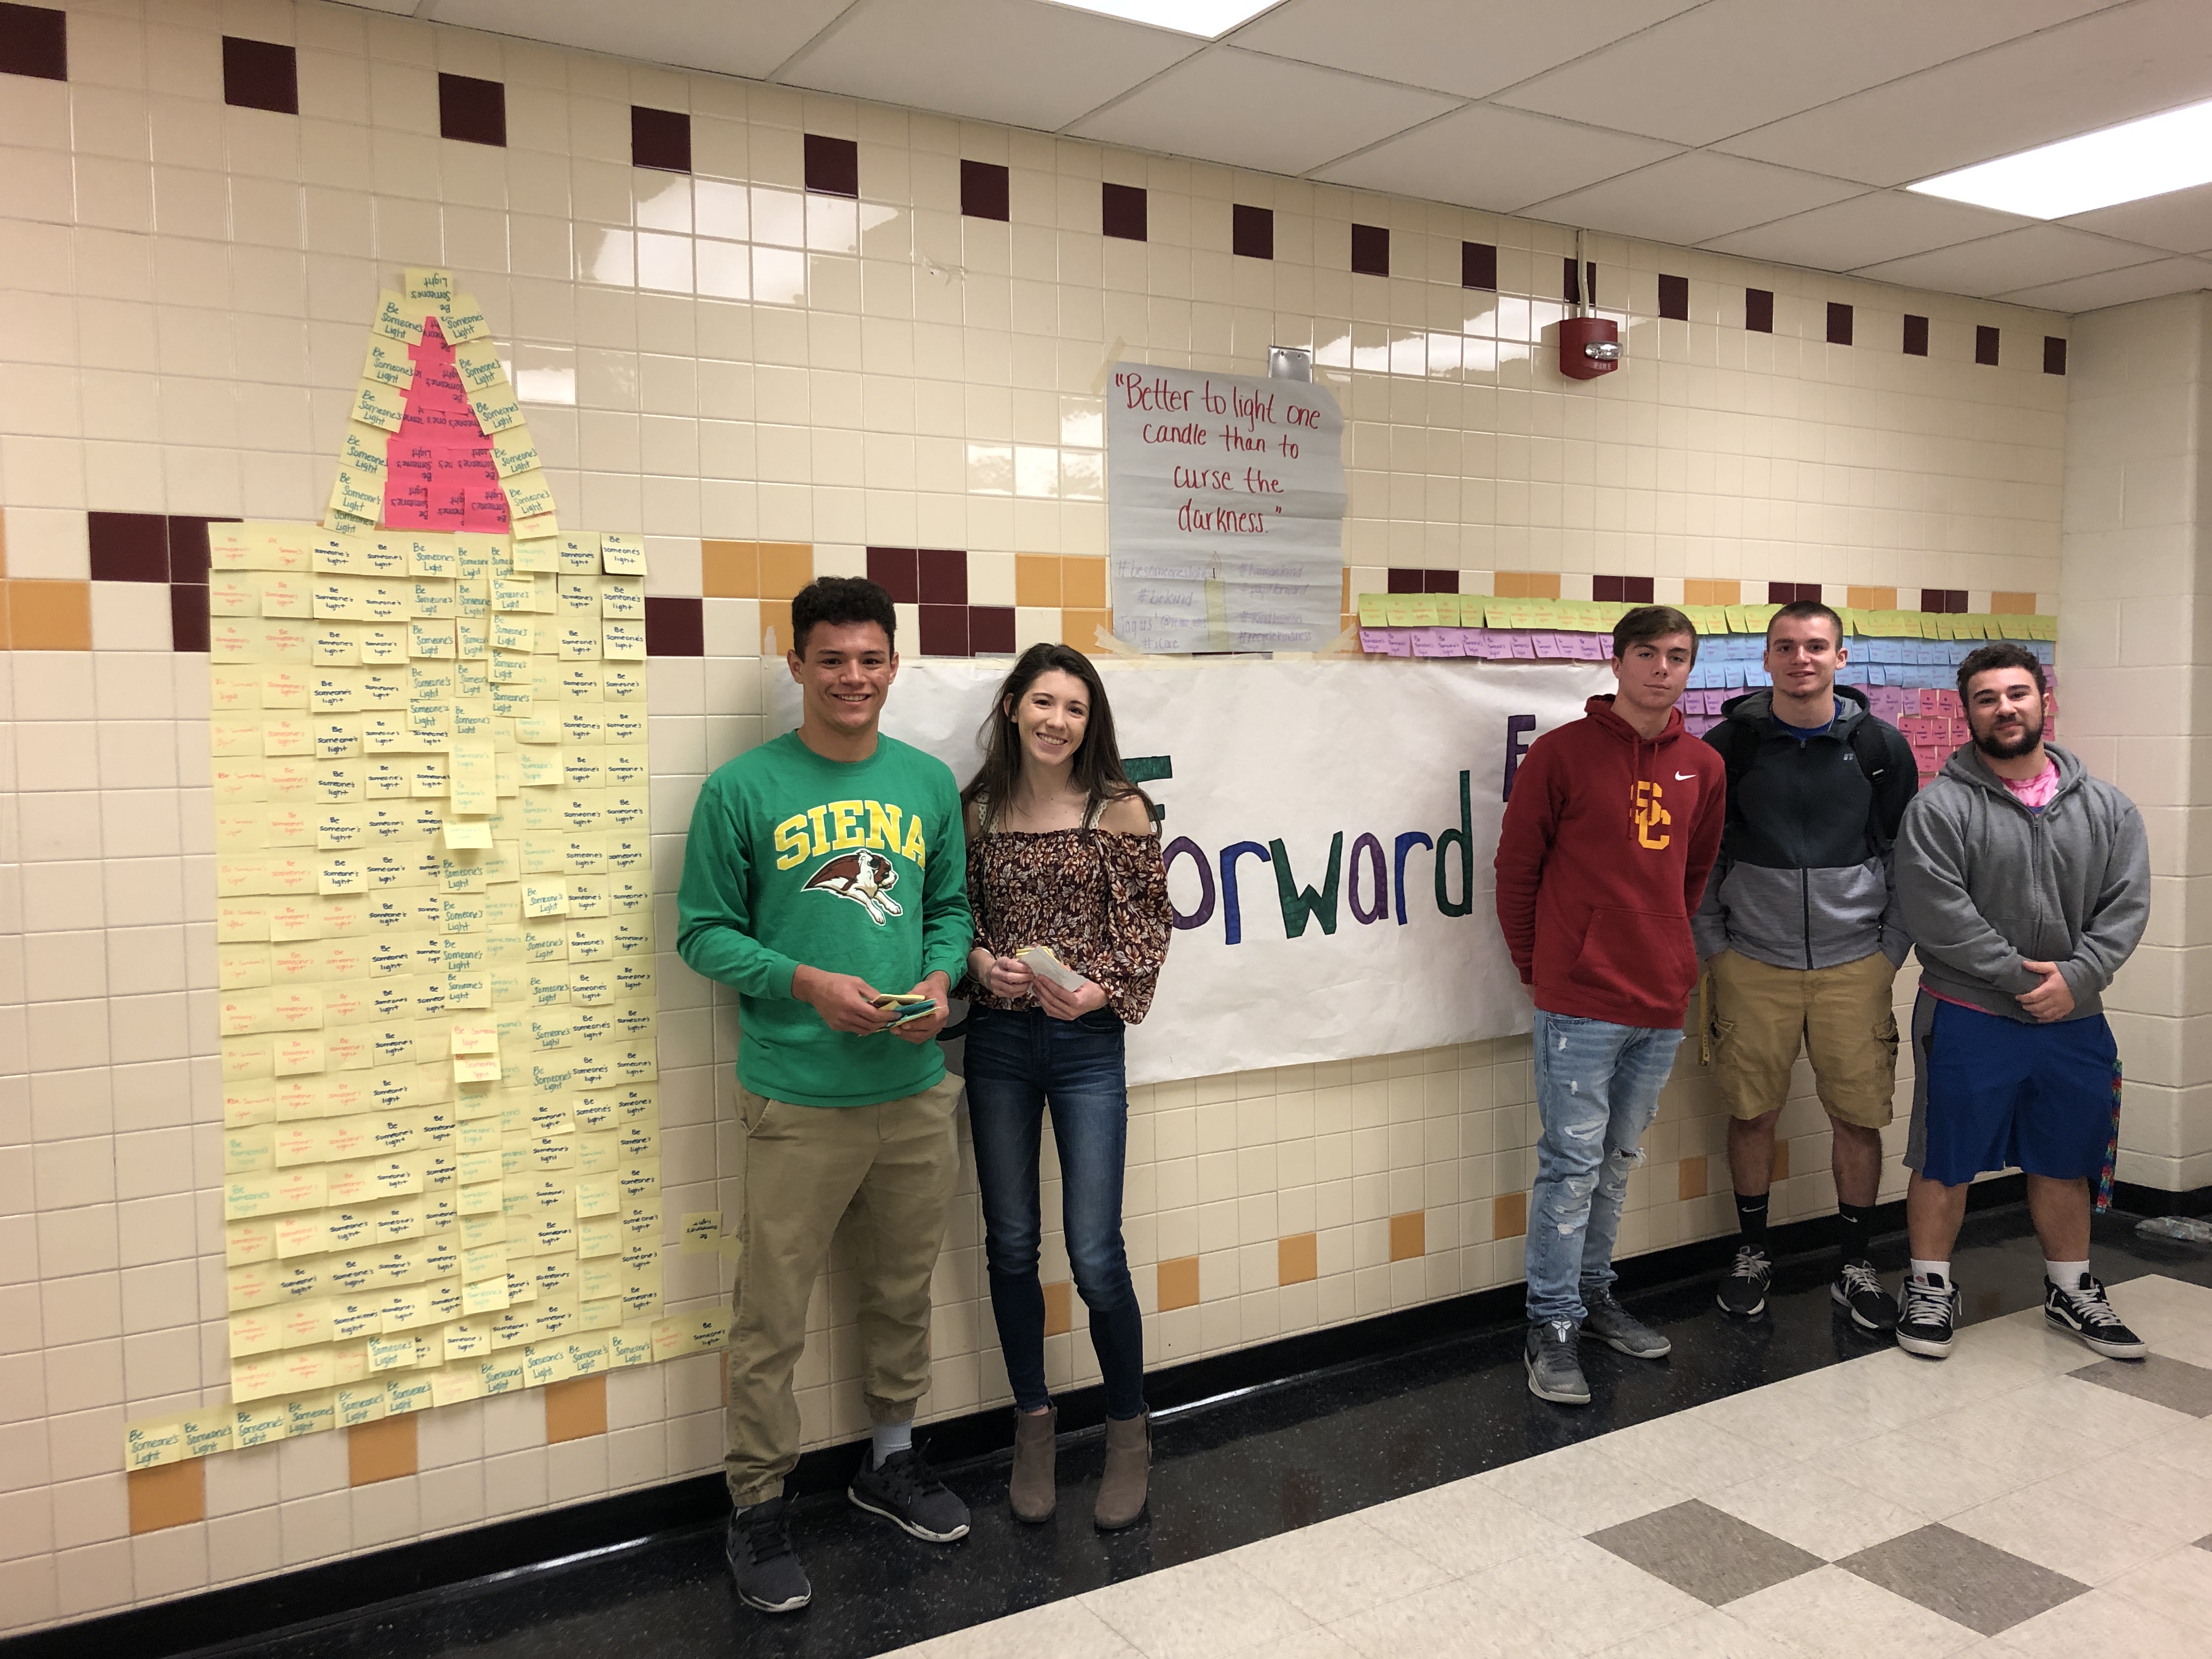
[1061,852]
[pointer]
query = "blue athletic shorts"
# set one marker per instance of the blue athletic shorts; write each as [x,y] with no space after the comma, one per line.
[1992,1093]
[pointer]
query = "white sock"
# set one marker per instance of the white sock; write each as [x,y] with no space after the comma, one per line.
[1931,1273]
[888,1440]
[2066,1275]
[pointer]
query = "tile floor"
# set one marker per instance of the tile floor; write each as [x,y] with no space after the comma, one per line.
[2022,1498]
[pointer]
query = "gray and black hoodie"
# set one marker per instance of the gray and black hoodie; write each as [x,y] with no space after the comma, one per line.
[1804,877]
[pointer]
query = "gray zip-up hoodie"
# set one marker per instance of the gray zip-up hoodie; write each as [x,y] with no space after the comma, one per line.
[1986,884]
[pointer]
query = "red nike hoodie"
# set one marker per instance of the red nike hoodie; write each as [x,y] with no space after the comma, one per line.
[1608,841]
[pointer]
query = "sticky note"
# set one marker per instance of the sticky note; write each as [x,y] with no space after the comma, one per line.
[379,406]
[700,1233]
[462,320]
[622,556]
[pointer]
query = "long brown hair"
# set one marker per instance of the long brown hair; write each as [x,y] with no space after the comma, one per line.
[1096,767]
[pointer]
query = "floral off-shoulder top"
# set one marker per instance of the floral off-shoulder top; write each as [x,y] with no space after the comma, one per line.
[1098,898]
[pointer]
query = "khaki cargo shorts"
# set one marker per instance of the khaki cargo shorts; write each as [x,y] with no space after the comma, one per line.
[1758,1018]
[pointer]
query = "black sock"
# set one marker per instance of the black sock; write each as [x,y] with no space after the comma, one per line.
[1751,1217]
[1852,1222]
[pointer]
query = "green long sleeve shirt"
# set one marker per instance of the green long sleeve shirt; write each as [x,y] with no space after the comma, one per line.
[853,867]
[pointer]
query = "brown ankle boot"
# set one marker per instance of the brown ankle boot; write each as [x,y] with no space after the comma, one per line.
[1129,1471]
[1030,1492]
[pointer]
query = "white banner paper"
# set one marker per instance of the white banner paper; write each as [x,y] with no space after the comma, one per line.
[1282,772]
[1225,511]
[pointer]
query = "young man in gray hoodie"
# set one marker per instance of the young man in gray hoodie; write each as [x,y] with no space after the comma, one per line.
[2026,885]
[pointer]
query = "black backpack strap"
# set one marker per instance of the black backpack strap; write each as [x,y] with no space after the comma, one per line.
[1870,748]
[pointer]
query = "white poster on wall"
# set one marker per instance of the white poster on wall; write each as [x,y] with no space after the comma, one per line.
[1329,830]
[1225,511]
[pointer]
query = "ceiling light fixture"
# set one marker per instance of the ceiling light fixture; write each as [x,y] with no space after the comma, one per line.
[2149,157]
[1207,19]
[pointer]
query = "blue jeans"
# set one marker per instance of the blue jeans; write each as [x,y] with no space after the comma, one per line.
[1018,1065]
[1597,1090]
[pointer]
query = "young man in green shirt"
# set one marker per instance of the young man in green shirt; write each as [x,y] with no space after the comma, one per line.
[826,872]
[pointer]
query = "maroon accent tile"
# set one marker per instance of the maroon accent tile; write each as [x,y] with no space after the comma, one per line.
[1252,231]
[188,547]
[1621,590]
[1121,213]
[1759,310]
[472,111]
[1478,265]
[1606,590]
[1674,297]
[1370,250]
[1986,345]
[991,629]
[1944,601]
[659,139]
[1405,581]
[1582,292]
[1637,590]
[833,166]
[1440,582]
[188,617]
[128,547]
[34,41]
[986,192]
[1839,324]
[2054,355]
[260,75]
[897,571]
[1793,593]
[943,576]
[1916,335]
[945,630]
[675,627]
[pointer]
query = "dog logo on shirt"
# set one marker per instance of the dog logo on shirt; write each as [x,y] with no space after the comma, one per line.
[1650,816]
[865,878]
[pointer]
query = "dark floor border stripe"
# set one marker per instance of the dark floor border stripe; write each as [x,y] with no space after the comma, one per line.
[341,1590]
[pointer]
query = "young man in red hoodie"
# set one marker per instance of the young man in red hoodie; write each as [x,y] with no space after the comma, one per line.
[1612,827]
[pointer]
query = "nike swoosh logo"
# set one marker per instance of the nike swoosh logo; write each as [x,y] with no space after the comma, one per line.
[1683,777]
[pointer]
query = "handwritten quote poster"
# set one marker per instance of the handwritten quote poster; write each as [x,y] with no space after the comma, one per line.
[1225,511]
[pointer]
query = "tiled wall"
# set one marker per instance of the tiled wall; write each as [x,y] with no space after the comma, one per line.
[896,371]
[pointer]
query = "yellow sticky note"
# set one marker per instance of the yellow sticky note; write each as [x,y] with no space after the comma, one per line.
[475,1068]
[461,833]
[700,1233]
[379,406]
[462,320]
[427,285]
[396,319]
[622,556]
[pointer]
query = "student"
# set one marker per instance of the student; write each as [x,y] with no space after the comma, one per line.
[1061,852]
[825,869]
[2026,883]
[1800,929]
[1612,828]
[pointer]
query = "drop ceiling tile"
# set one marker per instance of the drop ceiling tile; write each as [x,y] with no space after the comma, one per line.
[1732,64]
[1501,160]
[2033,256]
[2098,70]
[729,37]
[1471,47]
[1015,61]
[1267,113]
[1693,198]
[2118,288]
[2180,220]
[1864,230]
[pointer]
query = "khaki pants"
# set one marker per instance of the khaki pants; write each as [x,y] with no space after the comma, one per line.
[886,1174]
[1761,1016]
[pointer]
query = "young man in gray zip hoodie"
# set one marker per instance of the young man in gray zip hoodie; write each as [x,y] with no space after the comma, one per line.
[2026,885]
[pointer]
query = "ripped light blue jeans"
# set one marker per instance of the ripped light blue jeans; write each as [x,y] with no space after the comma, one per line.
[1597,1090]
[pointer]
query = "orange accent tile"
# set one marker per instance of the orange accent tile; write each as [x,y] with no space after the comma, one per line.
[730,570]
[382,1450]
[1058,1308]
[785,567]
[776,620]
[1178,1284]
[1409,1235]
[3,616]
[1509,1215]
[1527,585]
[1690,1178]
[1297,1258]
[575,1409]
[175,1495]
[1036,579]
[1870,599]
[49,616]
[1080,627]
[2012,604]
[1082,583]
[1708,589]
[1781,1171]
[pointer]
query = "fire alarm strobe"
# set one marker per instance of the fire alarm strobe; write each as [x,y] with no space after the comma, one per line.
[1588,347]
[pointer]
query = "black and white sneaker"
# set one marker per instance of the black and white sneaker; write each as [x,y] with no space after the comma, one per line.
[767,1575]
[1743,1292]
[1858,1292]
[907,1493]
[2085,1311]
[1552,1357]
[1930,1319]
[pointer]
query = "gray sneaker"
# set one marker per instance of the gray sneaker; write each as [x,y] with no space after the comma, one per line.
[1621,1330]
[1554,1362]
